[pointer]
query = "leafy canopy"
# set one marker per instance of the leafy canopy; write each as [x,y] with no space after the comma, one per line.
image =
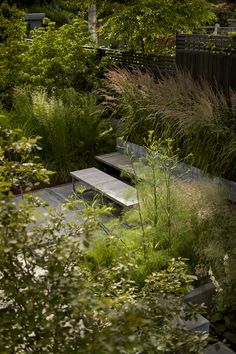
[139,24]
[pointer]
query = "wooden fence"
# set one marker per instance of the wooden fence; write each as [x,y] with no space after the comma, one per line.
[210,57]
[164,65]
[205,43]
[213,30]
[205,56]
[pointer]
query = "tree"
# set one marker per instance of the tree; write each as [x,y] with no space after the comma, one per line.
[152,19]
[139,24]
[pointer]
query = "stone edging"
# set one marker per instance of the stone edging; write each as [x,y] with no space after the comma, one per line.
[191,173]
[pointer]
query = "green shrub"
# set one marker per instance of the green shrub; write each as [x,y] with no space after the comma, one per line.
[217,250]
[154,262]
[70,124]
[55,58]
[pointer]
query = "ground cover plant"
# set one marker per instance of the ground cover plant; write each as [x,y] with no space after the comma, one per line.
[200,120]
[51,298]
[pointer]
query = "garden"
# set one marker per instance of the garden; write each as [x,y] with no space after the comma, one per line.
[116,280]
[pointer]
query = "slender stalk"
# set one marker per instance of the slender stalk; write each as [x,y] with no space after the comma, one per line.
[142,225]
[168,207]
[140,212]
[155,202]
[141,218]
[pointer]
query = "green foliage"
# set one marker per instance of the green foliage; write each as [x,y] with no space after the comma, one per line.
[172,219]
[150,312]
[103,251]
[52,303]
[16,171]
[150,20]
[12,33]
[168,225]
[38,283]
[218,251]
[197,118]
[55,57]
[190,220]
[70,124]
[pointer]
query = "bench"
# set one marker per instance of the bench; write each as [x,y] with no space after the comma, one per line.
[112,188]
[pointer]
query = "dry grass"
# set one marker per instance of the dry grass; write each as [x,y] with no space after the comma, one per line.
[199,119]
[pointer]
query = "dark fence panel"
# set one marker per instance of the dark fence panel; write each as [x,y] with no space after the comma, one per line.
[233,73]
[210,57]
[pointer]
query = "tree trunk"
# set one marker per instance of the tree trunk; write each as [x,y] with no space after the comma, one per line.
[92,21]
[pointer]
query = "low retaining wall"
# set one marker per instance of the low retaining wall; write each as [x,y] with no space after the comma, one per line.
[191,173]
[218,348]
[200,295]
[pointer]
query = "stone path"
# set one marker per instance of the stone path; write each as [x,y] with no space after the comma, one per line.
[55,197]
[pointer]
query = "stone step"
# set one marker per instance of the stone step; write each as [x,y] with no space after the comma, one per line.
[218,348]
[110,187]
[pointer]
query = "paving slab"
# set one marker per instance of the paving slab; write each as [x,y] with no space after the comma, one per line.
[200,295]
[62,191]
[218,348]
[200,324]
[54,197]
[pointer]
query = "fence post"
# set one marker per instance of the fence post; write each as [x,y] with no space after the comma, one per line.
[216,30]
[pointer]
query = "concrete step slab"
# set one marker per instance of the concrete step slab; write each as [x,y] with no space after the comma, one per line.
[218,348]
